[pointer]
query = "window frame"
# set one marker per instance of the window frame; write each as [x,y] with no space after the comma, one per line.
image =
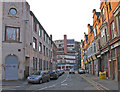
[6,38]
[103,14]
[35,43]
[112,28]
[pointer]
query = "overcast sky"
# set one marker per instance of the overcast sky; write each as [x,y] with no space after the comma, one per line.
[70,17]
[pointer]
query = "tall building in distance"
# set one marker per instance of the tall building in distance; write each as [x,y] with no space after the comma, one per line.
[68,53]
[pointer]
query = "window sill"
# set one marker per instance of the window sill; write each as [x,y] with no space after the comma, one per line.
[11,42]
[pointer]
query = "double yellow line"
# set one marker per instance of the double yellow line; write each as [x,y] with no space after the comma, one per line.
[98,88]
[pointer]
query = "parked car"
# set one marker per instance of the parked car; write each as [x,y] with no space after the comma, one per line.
[59,72]
[39,77]
[54,74]
[81,71]
[72,71]
[62,71]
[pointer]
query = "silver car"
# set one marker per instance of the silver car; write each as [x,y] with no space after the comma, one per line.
[39,77]
[81,71]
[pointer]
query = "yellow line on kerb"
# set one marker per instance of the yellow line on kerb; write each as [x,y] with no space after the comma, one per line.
[98,88]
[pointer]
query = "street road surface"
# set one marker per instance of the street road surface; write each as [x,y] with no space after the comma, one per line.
[65,82]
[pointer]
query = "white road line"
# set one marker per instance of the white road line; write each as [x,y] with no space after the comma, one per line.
[65,79]
[64,84]
[51,86]
[43,88]
[55,84]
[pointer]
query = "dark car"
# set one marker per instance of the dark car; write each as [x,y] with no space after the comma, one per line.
[39,77]
[54,74]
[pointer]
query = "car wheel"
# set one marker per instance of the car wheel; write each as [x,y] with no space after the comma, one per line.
[41,81]
[48,80]
[29,82]
[56,78]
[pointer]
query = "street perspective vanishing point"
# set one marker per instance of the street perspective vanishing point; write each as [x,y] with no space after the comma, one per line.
[31,60]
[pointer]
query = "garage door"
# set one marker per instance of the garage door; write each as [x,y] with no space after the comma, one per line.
[11,68]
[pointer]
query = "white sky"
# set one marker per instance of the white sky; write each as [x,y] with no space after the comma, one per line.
[70,17]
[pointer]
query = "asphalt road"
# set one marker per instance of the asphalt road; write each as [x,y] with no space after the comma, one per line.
[65,82]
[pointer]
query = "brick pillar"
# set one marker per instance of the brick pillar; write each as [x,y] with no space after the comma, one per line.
[65,44]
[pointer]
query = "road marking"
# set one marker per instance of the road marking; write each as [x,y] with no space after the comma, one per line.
[54,84]
[94,83]
[65,79]
[43,88]
[101,85]
[64,84]
[91,83]
[51,86]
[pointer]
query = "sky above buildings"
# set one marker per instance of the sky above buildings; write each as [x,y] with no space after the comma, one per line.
[70,17]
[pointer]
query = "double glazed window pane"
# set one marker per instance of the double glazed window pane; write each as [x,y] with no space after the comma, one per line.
[12,34]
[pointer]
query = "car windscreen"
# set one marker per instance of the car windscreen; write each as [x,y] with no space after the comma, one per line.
[37,73]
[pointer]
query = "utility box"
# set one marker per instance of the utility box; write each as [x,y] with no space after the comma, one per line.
[102,75]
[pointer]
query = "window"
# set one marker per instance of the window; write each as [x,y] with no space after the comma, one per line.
[94,32]
[47,64]
[44,64]
[40,46]
[34,43]
[102,33]
[35,26]
[34,63]
[13,11]
[12,34]
[103,14]
[109,6]
[118,24]
[47,51]
[96,29]
[113,33]
[94,47]
[40,64]
[43,35]
[118,57]
[113,54]
[40,32]
[46,38]
[106,34]
[44,49]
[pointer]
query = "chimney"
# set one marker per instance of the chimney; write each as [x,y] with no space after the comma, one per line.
[88,25]
[65,44]
[94,10]
[51,37]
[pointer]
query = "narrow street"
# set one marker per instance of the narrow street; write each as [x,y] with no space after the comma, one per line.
[65,82]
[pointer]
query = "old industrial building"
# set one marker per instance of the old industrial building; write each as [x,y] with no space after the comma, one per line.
[26,46]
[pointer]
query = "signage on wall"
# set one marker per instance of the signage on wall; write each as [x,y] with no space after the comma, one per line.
[115,45]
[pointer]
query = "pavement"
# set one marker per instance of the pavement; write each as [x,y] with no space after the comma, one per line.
[14,83]
[106,84]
